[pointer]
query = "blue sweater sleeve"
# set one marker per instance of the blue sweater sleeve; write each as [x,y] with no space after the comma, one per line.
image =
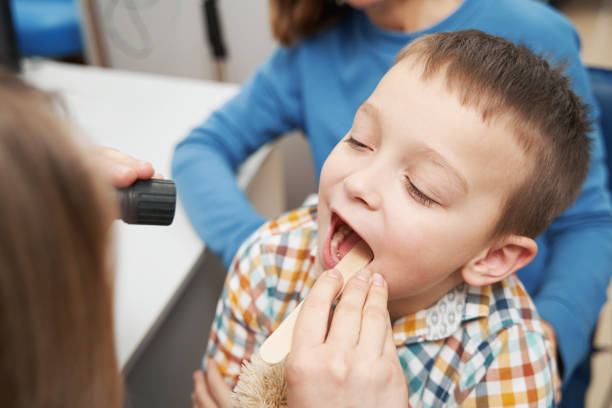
[205,162]
[579,259]
[579,247]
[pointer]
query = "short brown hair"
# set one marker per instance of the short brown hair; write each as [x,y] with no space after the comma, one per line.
[292,20]
[57,347]
[500,78]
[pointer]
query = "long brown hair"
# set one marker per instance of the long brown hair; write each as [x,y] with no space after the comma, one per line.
[57,346]
[292,20]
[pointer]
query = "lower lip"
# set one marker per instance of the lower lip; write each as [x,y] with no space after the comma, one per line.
[329,260]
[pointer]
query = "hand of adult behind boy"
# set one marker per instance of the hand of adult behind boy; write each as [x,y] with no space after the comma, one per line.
[549,332]
[355,362]
[209,389]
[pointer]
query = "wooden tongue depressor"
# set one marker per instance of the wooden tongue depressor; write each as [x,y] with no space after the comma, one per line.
[276,347]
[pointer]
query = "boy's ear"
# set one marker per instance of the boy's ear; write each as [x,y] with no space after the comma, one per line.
[500,260]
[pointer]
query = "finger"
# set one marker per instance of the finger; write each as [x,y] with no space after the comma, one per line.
[124,169]
[113,165]
[195,403]
[389,346]
[202,397]
[115,156]
[375,324]
[144,169]
[311,324]
[558,384]
[346,321]
[219,390]
[551,337]
[121,175]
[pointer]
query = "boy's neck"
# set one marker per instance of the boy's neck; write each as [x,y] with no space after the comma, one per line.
[406,306]
[410,15]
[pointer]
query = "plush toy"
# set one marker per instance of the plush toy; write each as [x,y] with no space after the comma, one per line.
[260,385]
[262,382]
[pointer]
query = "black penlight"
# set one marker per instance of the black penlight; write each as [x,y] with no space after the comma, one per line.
[148,202]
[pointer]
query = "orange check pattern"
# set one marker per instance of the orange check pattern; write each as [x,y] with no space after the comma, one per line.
[493,355]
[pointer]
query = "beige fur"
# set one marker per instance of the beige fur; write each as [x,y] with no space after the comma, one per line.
[261,385]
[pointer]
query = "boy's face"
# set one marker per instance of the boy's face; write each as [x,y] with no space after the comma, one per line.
[418,177]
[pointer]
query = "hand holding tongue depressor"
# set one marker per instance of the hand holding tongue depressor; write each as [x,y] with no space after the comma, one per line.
[277,346]
[262,381]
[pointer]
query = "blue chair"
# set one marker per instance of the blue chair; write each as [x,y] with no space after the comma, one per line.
[601,82]
[47,28]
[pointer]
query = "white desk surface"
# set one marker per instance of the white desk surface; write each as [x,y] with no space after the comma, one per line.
[144,115]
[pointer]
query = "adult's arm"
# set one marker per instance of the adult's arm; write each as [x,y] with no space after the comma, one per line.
[579,263]
[205,162]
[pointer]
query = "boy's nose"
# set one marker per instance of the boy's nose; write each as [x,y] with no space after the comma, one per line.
[364,187]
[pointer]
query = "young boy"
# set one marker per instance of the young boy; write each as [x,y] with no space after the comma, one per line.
[466,151]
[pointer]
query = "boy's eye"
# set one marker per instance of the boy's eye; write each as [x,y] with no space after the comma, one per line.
[356,143]
[418,195]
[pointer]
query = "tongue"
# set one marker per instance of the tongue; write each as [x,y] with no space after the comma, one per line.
[347,244]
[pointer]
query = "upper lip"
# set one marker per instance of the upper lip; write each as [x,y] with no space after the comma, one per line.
[337,214]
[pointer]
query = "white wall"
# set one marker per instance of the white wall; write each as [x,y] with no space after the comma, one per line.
[169,36]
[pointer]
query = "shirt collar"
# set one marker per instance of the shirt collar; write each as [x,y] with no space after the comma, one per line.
[444,317]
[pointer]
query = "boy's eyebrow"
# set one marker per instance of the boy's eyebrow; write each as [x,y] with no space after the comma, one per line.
[371,111]
[438,160]
[433,156]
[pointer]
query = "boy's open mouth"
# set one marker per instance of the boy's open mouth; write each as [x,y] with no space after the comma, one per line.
[341,238]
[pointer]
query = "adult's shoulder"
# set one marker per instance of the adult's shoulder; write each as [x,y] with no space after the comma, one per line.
[532,23]
[536,13]
[310,50]
[338,34]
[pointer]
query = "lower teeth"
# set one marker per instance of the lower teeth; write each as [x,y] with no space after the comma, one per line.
[337,239]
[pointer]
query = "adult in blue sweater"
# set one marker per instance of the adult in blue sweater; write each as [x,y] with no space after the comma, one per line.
[333,59]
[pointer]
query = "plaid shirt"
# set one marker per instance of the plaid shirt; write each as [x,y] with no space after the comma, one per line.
[477,346]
